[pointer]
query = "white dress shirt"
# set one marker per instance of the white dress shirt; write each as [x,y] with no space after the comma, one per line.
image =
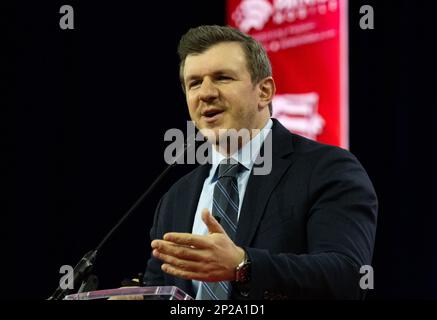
[246,156]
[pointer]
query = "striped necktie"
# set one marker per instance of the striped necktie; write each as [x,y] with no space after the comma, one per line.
[225,206]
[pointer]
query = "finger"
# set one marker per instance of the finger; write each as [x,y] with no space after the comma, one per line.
[213,225]
[158,244]
[181,264]
[182,252]
[188,239]
[189,275]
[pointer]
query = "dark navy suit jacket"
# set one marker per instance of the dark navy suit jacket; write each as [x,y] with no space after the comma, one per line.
[308,226]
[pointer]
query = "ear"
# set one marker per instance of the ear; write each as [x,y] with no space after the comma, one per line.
[267,89]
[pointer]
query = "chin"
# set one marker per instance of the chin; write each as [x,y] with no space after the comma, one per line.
[211,134]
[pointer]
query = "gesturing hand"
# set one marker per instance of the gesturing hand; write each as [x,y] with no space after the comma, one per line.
[212,257]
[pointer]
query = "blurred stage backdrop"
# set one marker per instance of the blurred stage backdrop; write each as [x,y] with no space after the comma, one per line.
[87,109]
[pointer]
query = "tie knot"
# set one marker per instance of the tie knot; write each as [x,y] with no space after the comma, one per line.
[228,168]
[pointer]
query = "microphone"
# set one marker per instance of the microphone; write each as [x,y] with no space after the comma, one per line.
[82,271]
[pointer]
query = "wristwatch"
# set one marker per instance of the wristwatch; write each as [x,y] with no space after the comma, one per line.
[242,272]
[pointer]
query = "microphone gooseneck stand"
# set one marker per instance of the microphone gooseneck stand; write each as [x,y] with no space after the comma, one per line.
[82,271]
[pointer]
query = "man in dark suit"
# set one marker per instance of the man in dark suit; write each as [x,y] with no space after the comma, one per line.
[301,231]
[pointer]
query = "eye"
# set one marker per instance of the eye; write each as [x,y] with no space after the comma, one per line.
[224,78]
[193,84]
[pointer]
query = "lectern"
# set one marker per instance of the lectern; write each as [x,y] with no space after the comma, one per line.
[145,293]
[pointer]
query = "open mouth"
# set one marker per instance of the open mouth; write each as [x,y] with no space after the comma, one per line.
[211,115]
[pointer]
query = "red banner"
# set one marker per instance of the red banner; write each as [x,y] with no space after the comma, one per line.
[306,41]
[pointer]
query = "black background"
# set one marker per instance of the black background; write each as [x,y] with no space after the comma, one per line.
[86,110]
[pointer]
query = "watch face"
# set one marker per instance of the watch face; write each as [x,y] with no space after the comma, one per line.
[243,272]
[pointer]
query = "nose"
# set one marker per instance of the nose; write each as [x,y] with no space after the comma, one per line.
[208,91]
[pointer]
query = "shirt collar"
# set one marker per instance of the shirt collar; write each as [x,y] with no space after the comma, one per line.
[247,154]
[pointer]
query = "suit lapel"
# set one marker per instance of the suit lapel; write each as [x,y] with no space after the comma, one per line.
[260,187]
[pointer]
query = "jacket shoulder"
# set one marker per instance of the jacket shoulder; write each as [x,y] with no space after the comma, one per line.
[311,148]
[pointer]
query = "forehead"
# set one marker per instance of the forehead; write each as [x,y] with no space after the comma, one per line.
[220,57]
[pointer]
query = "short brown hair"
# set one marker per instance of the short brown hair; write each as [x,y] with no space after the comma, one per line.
[198,40]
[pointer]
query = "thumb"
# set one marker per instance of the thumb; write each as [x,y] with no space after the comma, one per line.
[211,222]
